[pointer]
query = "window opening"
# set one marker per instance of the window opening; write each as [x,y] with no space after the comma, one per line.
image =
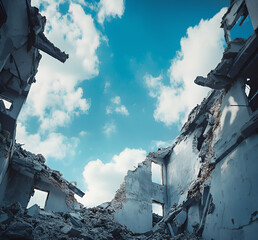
[7,103]
[251,91]
[156,173]
[157,212]
[39,197]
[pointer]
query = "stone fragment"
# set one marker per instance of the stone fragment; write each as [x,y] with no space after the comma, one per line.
[179,221]
[66,229]
[33,211]
[3,217]
[86,236]
[19,230]
[74,232]
[75,219]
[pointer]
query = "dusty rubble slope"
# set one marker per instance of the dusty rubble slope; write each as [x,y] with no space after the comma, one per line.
[88,223]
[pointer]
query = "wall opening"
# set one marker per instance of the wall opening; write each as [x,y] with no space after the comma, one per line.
[7,104]
[156,173]
[157,212]
[251,91]
[39,197]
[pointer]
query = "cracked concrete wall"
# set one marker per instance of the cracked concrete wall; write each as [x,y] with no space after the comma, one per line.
[234,179]
[56,200]
[136,211]
[235,193]
[183,168]
[223,204]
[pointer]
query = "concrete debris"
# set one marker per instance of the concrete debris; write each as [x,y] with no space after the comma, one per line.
[94,223]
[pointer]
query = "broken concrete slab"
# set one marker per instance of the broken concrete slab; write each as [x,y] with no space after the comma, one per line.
[19,230]
[180,219]
[3,217]
[33,211]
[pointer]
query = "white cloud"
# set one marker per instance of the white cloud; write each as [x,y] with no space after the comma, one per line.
[117,107]
[83,133]
[201,50]
[103,179]
[54,145]
[116,100]
[109,128]
[56,98]
[122,110]
[106,87]
[110,8]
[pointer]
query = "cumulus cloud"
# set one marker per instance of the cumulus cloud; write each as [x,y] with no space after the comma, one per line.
[57,98]
[103,179]
[54,145]
[83,133]
[201,50]
[116,106]
[110,8]
[109,128]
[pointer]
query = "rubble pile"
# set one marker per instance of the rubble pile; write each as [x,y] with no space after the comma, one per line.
[87,223]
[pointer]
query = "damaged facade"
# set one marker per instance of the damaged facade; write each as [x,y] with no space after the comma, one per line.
[209,174]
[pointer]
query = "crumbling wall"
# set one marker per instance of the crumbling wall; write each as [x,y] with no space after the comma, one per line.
[216,180]
[56,200]
[136,206]
[183,168]
[27,172]
[234,192]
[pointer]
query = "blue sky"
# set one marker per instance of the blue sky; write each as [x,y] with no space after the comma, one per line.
[126,88]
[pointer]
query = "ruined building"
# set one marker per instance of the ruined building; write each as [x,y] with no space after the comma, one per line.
[209,175]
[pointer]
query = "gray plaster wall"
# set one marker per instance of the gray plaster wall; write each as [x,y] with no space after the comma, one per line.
[56,198]
[136,212]
[233,117]
[235,194]
[182,169]
[233,181]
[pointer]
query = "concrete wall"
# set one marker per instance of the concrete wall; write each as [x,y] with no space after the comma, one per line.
[182,169]
[234,179]
[56,198]
[232,208]
[235,195]
[136,212]
[232,118]
[227,204]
